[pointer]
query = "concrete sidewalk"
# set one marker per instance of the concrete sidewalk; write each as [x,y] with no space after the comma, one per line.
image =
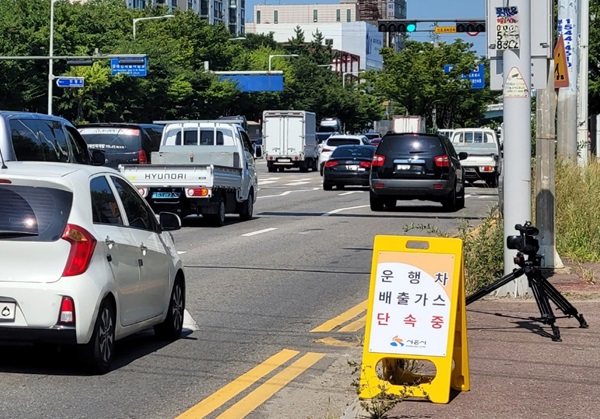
[517,371]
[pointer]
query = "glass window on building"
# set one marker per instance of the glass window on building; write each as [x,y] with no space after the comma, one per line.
[275,16]
[315,15]
[348,15]
[338,15]
[258,16]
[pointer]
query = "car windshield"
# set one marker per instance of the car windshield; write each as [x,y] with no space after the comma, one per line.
[353,152]
[33,213]
[112,139]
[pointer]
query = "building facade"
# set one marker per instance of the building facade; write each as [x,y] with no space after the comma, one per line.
[231,13]
[374,10]
[358,42]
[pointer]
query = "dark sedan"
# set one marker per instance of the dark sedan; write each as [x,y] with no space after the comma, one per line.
[348,165]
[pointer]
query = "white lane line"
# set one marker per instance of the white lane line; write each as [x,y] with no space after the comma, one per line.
[188,322]
[254,233]
[343,209]
[181,252]
[271,196]
[300,182]
[350,193]
[266,182]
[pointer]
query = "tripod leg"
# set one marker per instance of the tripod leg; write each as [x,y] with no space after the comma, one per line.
[494,285]
[561,302]
[543,303]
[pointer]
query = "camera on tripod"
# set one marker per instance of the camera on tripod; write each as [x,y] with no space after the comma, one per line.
[525,242]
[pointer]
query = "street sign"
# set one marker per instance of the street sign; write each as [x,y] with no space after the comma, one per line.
[561,75]
[445,29]
[477,76]
[137,67]
[507,28]
[69,82]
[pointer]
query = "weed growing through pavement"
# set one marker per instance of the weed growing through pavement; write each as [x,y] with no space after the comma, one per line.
[380,404]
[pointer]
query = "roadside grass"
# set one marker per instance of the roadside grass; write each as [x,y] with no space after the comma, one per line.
[578,211]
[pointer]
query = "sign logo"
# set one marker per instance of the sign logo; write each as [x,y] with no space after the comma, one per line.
[396,341]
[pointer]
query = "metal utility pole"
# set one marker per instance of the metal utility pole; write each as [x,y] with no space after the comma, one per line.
[582,103]
[545,194]
[50,54]
[517,130]
[567,97]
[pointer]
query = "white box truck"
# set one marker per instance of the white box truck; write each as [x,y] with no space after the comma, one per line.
[408,123]
[289,140]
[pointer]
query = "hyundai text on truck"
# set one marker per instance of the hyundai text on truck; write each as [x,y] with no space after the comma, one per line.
[289,140]
[202,168]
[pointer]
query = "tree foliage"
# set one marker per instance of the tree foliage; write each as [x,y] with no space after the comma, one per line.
[178,85]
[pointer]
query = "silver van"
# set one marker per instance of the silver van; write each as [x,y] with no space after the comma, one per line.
[27,136]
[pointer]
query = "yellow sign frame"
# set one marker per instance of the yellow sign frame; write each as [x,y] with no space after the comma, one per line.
[425,254]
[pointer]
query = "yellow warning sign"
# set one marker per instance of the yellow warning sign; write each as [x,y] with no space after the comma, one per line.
[561,74]
[444,29]
[514,85]
[416,311]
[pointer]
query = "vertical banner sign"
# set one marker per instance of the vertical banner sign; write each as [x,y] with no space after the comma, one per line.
[565,29]
[416,311]
[507,28]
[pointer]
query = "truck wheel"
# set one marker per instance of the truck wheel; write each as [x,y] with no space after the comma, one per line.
[304,167]
[315,165]
[281,169]
[270,168]
[247,207]
[218,219]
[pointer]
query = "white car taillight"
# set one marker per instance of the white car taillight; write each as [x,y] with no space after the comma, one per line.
[82,249]
[66,316]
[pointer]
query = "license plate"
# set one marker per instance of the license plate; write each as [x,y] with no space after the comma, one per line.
[352,167]
[7,311]
[284,160]
[163,195]
[403,167]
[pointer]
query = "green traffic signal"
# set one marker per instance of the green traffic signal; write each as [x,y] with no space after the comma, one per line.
[411,27]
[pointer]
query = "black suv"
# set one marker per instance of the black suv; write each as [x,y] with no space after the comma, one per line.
[417,166]
[123,143]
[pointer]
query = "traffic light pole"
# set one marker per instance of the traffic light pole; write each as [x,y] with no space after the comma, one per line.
[517,140]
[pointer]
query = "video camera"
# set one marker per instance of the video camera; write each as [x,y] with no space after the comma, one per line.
[526,242]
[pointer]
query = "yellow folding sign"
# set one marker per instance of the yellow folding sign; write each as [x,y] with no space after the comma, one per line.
[416,311]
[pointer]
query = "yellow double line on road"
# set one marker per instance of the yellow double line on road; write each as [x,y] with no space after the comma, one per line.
[346,316]
[257,397]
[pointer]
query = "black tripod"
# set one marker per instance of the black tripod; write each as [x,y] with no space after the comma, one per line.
[543,291]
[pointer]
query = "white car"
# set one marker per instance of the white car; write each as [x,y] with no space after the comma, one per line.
[330,144]
[85,261]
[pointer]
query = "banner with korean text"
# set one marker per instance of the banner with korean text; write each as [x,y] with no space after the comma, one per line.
[416,311]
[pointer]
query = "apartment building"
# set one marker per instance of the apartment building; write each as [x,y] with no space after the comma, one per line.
[341,25]
[232,13]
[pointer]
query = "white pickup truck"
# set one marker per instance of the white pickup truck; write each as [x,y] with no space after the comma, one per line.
[202,168]
[481,144]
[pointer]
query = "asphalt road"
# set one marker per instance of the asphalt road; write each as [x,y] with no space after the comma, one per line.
[255,290]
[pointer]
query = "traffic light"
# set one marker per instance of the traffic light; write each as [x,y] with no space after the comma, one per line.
[397,26]
[471,27]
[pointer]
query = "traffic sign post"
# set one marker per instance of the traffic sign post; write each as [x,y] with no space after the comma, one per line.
[69,81]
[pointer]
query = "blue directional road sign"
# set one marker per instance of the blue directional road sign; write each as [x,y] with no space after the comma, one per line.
[477,76]
[256,82]
[125,66]
[69,81]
